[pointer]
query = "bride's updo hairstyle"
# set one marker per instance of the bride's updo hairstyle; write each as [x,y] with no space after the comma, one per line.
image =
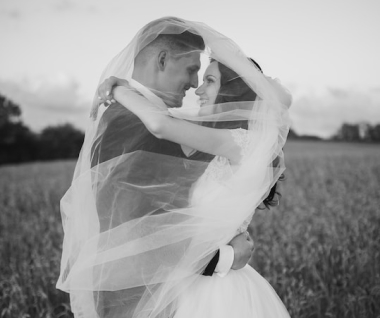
[234,89]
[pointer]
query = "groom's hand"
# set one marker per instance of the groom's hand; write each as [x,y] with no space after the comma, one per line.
[243,248]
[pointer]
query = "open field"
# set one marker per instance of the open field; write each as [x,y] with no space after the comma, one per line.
[320,249]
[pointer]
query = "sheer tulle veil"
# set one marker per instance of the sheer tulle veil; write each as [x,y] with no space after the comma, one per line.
[122,259]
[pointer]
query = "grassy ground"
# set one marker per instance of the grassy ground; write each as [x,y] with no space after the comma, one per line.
[320,249]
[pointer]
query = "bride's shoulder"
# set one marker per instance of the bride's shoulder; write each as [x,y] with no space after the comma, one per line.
[242,138]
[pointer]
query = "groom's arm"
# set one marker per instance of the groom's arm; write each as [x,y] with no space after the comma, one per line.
[234,256]
[226,259]
[210,268]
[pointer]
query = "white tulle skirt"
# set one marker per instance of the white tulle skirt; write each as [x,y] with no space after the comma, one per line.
[240,294]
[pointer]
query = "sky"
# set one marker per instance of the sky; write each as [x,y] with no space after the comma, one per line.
[326,52]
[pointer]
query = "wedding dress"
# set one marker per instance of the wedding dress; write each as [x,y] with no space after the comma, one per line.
[241,293]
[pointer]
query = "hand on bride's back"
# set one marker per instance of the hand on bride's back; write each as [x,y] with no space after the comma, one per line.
[243,248]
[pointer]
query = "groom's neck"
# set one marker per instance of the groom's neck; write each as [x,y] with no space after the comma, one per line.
[142,76]
[146,78]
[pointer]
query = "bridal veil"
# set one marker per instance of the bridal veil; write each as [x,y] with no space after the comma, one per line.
[123,259]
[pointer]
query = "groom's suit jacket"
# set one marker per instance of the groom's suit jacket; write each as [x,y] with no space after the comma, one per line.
[120,138]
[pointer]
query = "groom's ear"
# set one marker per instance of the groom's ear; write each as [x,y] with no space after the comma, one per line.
[162,60]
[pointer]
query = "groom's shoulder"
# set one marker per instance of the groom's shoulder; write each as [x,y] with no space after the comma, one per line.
[124,131]
[117,118]
[116,112]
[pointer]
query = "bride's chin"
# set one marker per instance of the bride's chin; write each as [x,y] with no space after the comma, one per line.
[206,110]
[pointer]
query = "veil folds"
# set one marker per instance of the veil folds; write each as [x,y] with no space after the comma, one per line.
[136,235]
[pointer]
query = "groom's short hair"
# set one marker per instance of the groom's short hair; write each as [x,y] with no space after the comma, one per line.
[179,43]
[176,44]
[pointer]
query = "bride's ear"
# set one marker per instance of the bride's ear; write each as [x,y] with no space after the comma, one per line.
[162,60]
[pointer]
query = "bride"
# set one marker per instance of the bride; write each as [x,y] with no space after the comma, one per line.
[206,204]
[247,293]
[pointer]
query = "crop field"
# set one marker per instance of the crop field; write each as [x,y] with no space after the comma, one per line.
[320,249]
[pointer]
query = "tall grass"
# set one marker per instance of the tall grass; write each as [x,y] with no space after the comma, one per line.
[31,239]
[320,249]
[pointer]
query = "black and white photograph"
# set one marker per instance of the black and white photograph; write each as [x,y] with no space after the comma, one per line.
[169,159]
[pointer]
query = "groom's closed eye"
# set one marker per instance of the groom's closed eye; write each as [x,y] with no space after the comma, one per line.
[193,69]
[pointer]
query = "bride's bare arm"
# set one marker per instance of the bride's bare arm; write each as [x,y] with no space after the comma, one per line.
[214,141]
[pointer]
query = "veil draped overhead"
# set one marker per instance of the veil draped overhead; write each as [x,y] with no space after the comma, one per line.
[135,235]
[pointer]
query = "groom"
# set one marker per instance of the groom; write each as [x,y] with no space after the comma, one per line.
[156,71]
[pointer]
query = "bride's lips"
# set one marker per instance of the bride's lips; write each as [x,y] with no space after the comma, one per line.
[202,101]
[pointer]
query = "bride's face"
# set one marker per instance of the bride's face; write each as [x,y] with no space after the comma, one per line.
[208,91]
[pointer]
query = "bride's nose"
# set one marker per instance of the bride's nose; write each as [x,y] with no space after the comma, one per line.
[199,90]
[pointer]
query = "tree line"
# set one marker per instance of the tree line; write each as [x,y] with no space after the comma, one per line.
[362,132]
[19,144]
[358,133]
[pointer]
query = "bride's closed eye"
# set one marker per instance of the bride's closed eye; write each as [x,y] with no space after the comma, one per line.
[210,80]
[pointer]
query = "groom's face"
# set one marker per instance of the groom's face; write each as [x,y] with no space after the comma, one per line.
[178,76]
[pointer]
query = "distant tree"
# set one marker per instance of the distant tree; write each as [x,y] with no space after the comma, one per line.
[293,135]
[9,111]
[374,133]
[363,132]
[309,137]
[60,142]
[349,132]
[17,142]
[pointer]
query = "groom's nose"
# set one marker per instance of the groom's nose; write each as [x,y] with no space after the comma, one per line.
[194,81]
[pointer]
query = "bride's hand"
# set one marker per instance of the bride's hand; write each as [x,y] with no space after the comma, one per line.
[105,90]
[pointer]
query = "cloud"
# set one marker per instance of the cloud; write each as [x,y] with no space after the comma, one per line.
[338,93]
[323,113]
[69,5]
[63,5]
[48,101]
[13,14]
[375,90]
